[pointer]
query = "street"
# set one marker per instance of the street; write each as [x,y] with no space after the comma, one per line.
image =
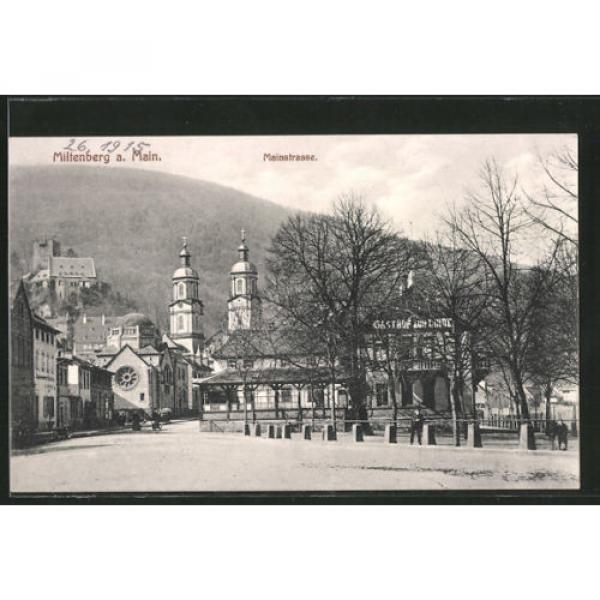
[180,458]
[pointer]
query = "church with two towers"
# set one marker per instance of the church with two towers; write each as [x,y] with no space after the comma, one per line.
[154,371]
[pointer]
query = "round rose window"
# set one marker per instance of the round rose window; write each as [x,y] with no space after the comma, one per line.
[126,378]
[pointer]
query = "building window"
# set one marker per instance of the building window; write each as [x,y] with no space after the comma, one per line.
[239,284]
[381,392]
[48,407]
[180,326]
[248,364]
[181,290]
[231,363]
[318,397]
[141,396]
[286,394]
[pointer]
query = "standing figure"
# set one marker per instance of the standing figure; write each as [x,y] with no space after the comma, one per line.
[135,422]
[416,426]
[156,426]
[563,435]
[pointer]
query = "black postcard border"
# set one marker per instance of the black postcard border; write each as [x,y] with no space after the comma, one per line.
[302,115]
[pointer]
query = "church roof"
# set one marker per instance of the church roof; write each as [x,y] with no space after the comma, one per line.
[109,350]
[149,349]
[133,319]
[185,272]
[172,344]
[65,266]
[244,266]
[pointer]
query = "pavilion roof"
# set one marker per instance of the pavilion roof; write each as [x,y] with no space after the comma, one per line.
[273,376]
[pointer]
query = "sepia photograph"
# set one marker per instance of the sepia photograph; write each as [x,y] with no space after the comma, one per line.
[293,313]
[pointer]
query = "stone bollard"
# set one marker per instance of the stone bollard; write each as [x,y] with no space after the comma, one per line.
[270,431]
[246,428]
[473,436]
[357,432]
[390,434]
[526,437]
[306,432]
[256,428]
[286,432]
[329,433]
[429,435]
[278,432]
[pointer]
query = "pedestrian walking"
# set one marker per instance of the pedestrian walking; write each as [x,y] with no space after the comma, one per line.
[416,426]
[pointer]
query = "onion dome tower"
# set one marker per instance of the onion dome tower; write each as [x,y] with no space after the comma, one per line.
[186,309]
[244,304]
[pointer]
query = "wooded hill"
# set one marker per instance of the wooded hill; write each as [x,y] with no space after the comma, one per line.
[131,222]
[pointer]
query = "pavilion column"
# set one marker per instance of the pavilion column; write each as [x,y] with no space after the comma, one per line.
[276,389]
[299,387]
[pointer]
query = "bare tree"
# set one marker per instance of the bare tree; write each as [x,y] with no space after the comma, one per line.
[555,208]
[454,287]
[553,351]
[493,225]
[331,274]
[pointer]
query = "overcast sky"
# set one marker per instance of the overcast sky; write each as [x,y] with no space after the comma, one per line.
[410,177]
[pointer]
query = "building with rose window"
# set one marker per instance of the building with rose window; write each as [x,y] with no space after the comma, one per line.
[154,371]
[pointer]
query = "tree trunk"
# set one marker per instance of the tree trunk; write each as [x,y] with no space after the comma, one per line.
[547,396]
[392,388]
[300,405]
[276,402]
[452,397]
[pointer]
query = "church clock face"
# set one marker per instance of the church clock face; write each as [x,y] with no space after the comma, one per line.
[127,378]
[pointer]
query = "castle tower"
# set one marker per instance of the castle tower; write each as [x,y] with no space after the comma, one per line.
[42,251]
[244,305]
[186,310]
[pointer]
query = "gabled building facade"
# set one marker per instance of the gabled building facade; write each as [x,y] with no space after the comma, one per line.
[22,389]
[45,351]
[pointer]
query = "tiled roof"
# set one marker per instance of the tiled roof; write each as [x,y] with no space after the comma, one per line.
[92,330]
[41,322]
[149,349]
[63,266]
